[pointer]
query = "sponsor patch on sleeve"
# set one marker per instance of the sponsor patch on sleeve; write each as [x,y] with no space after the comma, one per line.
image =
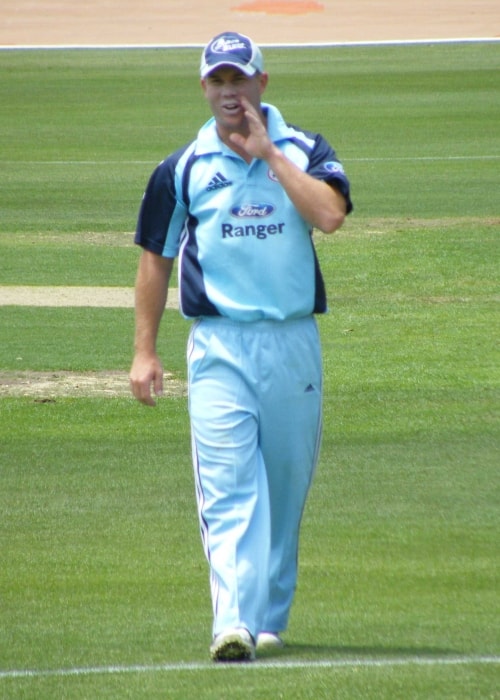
[333,166]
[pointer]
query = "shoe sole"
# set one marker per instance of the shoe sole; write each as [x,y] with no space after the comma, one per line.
[232,648]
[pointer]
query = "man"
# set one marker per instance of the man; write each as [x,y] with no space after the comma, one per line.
[237,206]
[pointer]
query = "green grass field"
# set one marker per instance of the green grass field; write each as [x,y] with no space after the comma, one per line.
[103,585]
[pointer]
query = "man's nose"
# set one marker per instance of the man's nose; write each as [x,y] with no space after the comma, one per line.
[229,88]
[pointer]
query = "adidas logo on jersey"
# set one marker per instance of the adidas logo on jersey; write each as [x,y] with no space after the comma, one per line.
[218,182]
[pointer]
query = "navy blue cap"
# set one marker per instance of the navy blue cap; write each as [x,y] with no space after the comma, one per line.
[232,49]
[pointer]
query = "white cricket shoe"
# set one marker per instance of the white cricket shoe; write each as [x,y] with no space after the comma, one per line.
[267,641]
[235,644]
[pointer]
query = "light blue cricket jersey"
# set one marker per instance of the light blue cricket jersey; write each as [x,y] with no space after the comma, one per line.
[244,251]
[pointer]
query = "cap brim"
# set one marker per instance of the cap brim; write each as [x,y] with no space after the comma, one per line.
[250,71]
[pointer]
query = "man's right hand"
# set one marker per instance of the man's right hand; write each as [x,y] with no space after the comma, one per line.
[151,287]
[146,373]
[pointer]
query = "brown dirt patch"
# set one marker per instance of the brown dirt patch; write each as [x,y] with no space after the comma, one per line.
[46,387]
[105,297]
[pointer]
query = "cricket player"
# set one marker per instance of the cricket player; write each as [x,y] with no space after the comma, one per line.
[237,207]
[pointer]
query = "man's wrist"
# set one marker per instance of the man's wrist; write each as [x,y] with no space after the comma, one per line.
[275,157]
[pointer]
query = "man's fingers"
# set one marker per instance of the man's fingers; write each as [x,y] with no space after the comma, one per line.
[238,140]
[158,384]
[146,375]
[145,396]
[142,391]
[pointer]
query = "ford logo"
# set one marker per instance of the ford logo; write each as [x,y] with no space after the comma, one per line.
[333,166]
[252,211]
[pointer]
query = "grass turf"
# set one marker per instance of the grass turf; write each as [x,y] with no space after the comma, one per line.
[102,563]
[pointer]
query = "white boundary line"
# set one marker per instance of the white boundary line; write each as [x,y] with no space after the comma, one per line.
[383,42]
[258,665]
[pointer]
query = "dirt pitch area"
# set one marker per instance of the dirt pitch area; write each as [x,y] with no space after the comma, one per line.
[189,22]
[119,22]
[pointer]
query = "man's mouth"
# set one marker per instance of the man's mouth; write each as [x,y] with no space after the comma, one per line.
[231,108]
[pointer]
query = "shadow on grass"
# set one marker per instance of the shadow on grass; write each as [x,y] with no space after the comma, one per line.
[353,653]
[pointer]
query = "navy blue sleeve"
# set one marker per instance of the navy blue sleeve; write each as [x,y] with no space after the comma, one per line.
[157,207]
[161,204]
[324,165]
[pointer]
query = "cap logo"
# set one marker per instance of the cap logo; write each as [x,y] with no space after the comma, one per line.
[224,45]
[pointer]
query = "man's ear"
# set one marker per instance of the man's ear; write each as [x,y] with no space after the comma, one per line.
[264,78]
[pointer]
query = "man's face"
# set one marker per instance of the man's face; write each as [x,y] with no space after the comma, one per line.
[223,90]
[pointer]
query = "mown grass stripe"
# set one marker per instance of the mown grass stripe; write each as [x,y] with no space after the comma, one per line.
[376,159]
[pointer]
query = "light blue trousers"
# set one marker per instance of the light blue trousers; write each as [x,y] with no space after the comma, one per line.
[255,393]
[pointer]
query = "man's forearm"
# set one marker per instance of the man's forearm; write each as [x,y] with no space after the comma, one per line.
[150,297]
[319,203]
